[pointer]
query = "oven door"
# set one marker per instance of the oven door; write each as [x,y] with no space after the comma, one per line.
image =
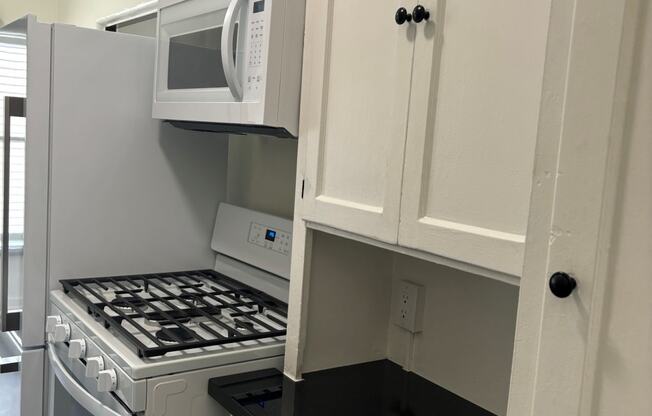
[72,394]
[200,55]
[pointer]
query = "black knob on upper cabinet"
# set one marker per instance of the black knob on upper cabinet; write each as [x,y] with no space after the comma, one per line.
[562,285]
[420,13]
[402,16]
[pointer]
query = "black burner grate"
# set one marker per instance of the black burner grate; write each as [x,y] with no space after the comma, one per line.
[173,300]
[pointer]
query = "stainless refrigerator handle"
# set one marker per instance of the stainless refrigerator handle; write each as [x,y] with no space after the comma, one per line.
[14,107]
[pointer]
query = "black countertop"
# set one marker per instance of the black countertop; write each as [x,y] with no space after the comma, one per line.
[379,388]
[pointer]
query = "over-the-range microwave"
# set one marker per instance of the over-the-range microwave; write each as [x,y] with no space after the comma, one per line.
[230,65]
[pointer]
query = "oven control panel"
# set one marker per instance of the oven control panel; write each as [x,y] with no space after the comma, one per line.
[270,238]
[256,238]
[92,367]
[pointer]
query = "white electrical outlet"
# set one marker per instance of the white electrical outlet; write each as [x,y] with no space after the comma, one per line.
[408,308]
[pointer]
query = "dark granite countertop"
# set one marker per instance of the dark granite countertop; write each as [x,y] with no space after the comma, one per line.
[379,388]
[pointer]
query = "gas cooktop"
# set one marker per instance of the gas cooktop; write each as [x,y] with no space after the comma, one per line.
[165,312]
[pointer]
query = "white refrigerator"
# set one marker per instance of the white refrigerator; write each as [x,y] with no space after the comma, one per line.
[107,190]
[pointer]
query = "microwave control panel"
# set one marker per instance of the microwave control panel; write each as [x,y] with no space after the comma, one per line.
[255,58]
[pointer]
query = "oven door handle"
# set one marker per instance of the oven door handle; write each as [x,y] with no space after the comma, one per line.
[84,398]
[228,61]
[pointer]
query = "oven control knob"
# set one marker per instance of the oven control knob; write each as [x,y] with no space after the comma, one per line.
[93,366]
[51,322]
[77,348]
[107,381]
[61,333]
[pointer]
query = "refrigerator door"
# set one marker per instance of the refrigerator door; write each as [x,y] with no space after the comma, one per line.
[33,383]
[25,63]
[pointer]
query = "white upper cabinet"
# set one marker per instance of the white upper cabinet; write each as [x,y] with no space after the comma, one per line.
[474,108]
[423,134]
[356,89]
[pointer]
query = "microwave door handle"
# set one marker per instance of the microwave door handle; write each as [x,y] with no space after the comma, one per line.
[228,63]
[14,107]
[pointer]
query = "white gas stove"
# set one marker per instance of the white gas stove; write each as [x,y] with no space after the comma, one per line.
[148,344]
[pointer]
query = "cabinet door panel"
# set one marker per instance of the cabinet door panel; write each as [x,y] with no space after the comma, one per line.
[476,90]
[356,84]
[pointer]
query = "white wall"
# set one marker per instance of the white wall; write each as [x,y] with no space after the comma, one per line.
[350,291]
[624,377]
[468,335]
[469,321]
[262,173]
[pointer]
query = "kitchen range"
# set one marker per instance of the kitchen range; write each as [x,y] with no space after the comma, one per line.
[150,343]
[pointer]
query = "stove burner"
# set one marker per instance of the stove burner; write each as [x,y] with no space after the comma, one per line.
[195,299]
[175,335]
[157,318]
[128,302]
[240,324]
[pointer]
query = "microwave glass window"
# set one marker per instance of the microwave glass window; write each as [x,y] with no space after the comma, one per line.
[259,6]
[195,60]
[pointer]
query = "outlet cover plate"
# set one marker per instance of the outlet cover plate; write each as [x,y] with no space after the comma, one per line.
[408,306]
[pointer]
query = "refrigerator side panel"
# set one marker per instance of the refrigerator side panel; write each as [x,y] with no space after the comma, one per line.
[36,183]
[129,194]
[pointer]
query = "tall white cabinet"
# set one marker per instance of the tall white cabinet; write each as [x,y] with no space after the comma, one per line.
[488,138]
[422,134]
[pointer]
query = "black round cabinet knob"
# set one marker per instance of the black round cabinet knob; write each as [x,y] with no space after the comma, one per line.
[420,14]
[562,284]
[402,16]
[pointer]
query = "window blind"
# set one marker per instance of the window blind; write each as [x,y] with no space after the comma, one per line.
[13,78]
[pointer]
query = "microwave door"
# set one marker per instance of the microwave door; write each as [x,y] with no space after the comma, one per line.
[195,61]
[198,51]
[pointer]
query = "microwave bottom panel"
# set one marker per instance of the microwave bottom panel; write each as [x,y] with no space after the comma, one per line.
[279,132]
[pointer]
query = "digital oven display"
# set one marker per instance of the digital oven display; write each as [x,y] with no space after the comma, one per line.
[259,6]
[270,235]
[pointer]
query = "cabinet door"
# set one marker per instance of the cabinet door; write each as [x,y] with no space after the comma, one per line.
[357,64]
[476,89]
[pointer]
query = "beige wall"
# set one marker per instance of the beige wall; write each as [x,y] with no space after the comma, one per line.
[624,377]
[86,12]
[45,10]
[78,12]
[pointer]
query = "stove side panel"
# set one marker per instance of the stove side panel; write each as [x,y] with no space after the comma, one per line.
[187,393]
